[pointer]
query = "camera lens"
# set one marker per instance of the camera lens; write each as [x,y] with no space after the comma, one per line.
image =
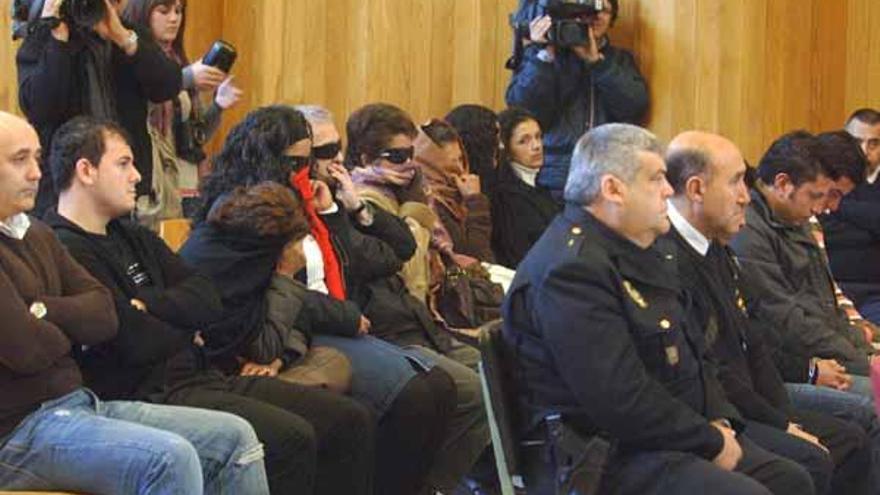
[84,13]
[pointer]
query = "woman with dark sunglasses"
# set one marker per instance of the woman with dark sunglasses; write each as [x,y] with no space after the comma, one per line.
[379,153]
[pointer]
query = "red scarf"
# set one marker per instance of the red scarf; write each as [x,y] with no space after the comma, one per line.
[332,272]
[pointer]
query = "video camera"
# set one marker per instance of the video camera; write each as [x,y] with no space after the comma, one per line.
[81,13]
[569,21]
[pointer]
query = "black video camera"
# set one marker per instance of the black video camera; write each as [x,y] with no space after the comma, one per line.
[76,13]
[569,21]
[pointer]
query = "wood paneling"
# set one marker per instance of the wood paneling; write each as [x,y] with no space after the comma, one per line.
[750,69]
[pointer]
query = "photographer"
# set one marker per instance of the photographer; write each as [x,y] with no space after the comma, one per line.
[69,66]
[571,89]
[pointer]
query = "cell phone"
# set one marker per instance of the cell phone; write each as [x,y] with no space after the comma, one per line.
[221,55]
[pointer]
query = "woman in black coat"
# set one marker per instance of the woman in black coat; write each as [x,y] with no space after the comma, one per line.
[521,210]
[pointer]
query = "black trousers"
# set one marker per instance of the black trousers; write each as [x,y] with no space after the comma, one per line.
[411,433]
[315,441]
[815,460]
[664,472]
[850,450]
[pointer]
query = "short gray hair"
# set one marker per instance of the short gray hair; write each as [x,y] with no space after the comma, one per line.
[607,149]
[315,114]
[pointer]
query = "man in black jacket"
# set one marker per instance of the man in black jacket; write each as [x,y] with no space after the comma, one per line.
[601,334]
[310,435]
[108,71]
[786,269]
[707,174]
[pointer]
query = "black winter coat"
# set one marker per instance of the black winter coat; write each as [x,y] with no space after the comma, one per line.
[520,213]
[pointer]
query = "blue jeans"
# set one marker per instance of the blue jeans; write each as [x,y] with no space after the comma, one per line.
[78,443]
[853,407]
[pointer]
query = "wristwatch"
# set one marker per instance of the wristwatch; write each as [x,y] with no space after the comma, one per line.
[38,309]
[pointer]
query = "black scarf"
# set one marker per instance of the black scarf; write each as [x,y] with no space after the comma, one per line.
[241,268]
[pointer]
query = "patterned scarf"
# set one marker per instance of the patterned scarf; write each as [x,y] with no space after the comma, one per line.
[440,175]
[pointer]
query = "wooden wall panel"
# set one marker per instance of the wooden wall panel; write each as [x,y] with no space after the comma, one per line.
[750,69]
[8,84]
[862,54]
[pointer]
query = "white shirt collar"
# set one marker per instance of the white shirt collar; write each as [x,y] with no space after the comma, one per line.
[693,236]
[872,177]
[16,226]
[525,174]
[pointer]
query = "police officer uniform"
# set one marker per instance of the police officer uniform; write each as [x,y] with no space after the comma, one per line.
[597,330]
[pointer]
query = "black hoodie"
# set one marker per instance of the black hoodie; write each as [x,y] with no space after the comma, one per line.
[153,349]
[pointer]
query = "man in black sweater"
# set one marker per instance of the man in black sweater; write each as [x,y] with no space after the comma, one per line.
[708,208]
[162,305]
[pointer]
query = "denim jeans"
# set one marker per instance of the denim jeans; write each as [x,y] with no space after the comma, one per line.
[853,407]
[78,443]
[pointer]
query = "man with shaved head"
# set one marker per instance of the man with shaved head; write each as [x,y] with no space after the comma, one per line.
[707,209]
[54,433]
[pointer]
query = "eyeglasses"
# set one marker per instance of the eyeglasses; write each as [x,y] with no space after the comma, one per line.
[327,151]
[296,162]
[398,156]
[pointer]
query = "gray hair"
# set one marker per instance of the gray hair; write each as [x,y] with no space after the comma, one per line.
[682,164]
[607,149]
[315,114]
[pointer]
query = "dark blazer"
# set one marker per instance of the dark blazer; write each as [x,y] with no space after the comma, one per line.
[746,368]
[600,333]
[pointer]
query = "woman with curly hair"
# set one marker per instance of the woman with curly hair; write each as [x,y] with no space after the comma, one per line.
[411,396]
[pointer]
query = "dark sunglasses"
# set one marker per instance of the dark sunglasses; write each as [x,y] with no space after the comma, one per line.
[296,162]
[327,151]
[398,156]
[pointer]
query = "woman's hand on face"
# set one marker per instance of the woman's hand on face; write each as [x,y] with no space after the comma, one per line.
[468,184]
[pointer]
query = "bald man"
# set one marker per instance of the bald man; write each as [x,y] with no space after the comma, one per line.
[707,209]
[55,434]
